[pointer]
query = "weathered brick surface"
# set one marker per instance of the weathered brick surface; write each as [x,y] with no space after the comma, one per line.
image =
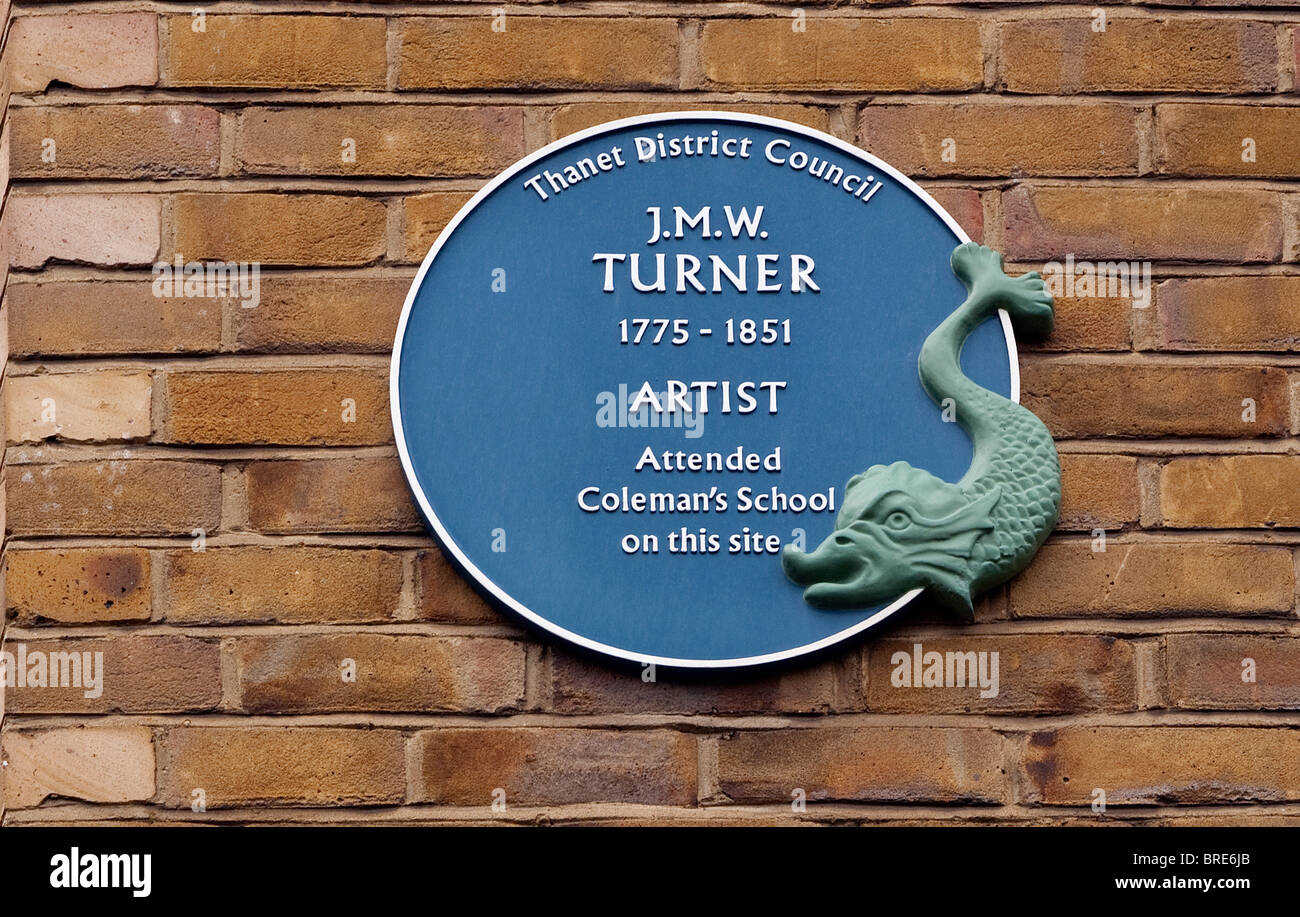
[1168,399]
[327,407]
[1070,579]
[87,763]
[1089,323]
[276,51]
[569,119]
[111,318]
[345,314]
[318,673]
[1244,491]
[537,766]
[1138,55]
[78,586]
[1139,223]
[537,53]
[843,54]
[87,51]
[989,139]
[282,584]
[1034,674]
[114,497]
[445,596]
[1152,765]
[279,228]
[1098,491]
[98,229]
[116,141]
[330,495]
[93,406]
[1227,672]
[866,763]
[140,674]
[1200,139]
[275,764]
[424,216]
[1229,313]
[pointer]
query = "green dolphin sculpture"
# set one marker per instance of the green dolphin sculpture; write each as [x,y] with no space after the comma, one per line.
[901,528]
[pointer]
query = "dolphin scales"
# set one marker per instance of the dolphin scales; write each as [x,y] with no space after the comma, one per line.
[901,528]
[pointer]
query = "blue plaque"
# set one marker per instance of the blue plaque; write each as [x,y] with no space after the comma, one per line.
[645,360]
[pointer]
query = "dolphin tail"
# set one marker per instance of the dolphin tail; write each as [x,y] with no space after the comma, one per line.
[988,287]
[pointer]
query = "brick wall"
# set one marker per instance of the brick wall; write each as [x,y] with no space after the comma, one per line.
[141,428]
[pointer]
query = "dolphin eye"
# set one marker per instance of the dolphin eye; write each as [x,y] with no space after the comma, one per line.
[897,520]
[843,540]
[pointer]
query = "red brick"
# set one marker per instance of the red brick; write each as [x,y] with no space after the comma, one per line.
[999,138]
[1151,765]
[305,673]
[1179,223]
[863,763]
[1035,674]
[1076,398]
[330,495]
[555,765]
[1069,578]
[536,52]
[318,766]
[1210,671]
[285,584]
[117,497]
[78,586]
[141,674]
[963,205]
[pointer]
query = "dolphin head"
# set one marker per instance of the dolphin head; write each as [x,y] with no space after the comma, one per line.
[899,528]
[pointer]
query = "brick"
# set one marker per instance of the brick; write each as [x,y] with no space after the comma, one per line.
[78,586]
[284,584]
[581,686]
[1035,674]
[863,763]
[997,138]
[117,497]
[287,52]
[842,55]
[140,674]
[436,140]
[280,228]
[322,315]
[87,763]
[1151,765]
[537,53]
[1087,323]
[99,229]
[1130,580]
[1235,491]
[87,51]
[569,119]
[319,766]
[110,318]
[116,141]
[1077,398]
[1173,223]
[301,407]
[1098,491]
[1229,313]
[1138,55]
[424,216]
[963,205]
[444,595]
[330,495]
[304,673]
[81,407]
[1209,671]
[555,765]
[1199,139]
